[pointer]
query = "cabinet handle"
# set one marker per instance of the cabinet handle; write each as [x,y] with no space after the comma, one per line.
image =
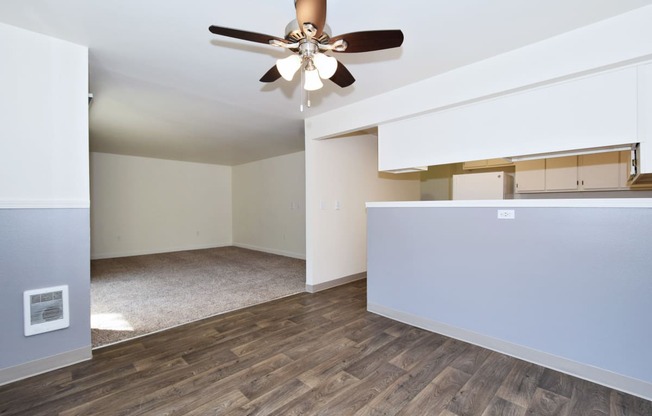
[582,182]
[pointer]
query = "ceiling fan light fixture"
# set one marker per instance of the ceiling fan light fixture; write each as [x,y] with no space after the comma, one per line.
[312,82]
[288,66]
[326,65]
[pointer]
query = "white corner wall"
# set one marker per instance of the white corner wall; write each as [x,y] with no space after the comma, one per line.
[143,206]
[43,121]
[269,205]
[342,174]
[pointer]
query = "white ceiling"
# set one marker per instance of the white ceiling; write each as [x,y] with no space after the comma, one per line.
[166,87]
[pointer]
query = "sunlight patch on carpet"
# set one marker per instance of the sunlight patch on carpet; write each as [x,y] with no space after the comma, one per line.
[110,322]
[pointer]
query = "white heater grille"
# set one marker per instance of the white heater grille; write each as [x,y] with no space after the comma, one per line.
[45,309]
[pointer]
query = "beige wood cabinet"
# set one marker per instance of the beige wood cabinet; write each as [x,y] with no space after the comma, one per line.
[592,172]
[561,174]
[599,171]
[530,176]
[487,163]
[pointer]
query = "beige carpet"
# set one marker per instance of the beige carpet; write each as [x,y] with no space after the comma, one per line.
[132,296]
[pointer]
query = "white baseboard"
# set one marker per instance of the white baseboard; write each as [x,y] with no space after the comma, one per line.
[597,375]
[337,282]
[99,256]
[43,365]
[272,251]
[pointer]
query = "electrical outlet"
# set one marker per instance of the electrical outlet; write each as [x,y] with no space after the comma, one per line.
[506,214]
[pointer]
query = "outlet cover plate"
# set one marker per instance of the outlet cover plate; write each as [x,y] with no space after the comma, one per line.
[506,214]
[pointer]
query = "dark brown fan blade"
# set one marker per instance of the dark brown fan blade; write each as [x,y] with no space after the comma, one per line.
[372,40]
[244,35]
[271,75]
[342,76]
[311,11]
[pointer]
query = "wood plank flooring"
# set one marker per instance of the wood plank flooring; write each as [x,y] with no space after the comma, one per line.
[308,354]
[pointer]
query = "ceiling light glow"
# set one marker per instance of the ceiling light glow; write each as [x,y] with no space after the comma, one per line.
[326,65]
[287,67]
[313,82]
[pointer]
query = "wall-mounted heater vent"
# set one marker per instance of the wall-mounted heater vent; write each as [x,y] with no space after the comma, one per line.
[45,309]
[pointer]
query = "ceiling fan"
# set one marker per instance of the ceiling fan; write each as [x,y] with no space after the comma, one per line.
[309,37]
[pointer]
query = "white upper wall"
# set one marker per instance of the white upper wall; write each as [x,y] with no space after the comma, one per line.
[143,205]
[269,211]
[44,123]
[618,40]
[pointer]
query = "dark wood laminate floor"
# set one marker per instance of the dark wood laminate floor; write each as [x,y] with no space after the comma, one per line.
[308,354]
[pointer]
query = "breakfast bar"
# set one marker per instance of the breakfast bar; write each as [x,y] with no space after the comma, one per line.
[563,283]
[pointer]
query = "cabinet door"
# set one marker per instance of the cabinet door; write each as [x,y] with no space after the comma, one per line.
[530,175]
[561,173]
[600,171]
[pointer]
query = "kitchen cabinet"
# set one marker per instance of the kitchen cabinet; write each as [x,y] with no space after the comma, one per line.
[561,174]
[591,172]
[600,171]
[531,176]
[487,163]
[592,111]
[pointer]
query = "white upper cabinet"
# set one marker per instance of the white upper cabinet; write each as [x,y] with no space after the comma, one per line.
[645,116]
[594,111]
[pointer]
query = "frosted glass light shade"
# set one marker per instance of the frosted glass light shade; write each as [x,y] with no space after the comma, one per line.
[287,67]
[312,80]
[326,65]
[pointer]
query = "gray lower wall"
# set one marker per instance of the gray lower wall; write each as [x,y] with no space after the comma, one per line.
[575,283]
[42,248]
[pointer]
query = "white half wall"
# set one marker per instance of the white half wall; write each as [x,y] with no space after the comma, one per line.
[341,175]
[269,211]
[142,205]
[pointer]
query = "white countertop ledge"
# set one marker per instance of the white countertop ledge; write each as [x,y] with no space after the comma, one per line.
[524,203]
